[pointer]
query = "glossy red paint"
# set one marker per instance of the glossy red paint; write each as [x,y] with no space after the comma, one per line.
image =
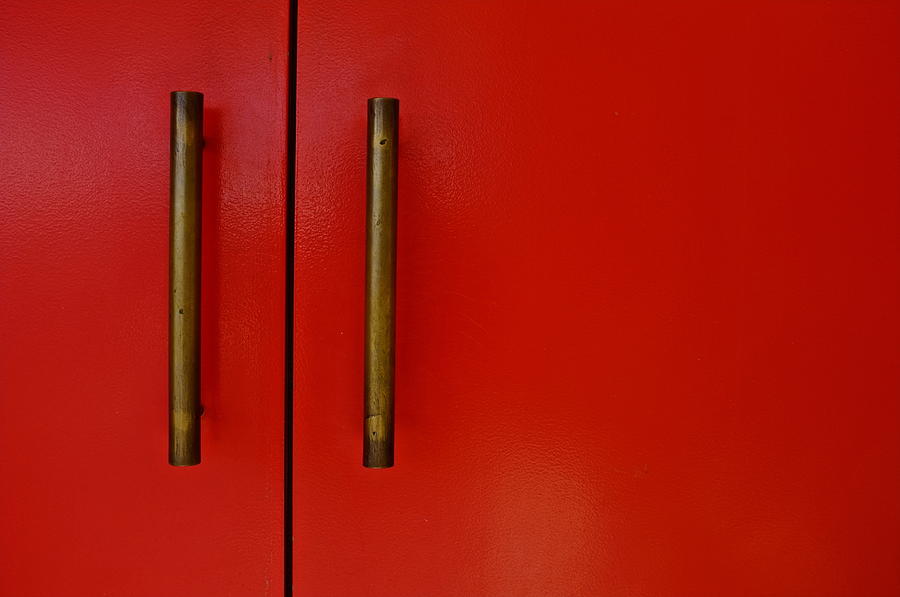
[89,505]
[647,299]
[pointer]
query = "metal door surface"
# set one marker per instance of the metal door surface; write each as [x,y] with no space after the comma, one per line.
[647,288]
[89,504]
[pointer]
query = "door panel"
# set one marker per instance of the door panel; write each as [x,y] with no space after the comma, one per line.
[647,299]
[90,506]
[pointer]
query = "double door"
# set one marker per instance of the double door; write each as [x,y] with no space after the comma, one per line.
[646,289]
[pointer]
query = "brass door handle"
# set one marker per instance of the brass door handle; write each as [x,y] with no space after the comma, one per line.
[381,258]
[185,174]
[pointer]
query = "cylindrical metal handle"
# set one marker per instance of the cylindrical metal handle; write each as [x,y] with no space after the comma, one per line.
[381,259]
[185,155]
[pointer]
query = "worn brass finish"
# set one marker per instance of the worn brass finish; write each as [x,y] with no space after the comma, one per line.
[381,258]
[186,149]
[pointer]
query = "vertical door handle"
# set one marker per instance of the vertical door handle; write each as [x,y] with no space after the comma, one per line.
[381,258]
[185,172]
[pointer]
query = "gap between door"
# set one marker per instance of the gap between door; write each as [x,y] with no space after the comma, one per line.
[291,210]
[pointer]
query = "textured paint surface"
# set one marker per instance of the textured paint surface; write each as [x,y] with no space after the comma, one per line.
[89,506]
[647,299]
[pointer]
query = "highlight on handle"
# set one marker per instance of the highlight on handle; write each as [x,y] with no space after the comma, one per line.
[381,257]
[186,162]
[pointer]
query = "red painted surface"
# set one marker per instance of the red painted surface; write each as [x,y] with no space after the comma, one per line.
[647,299]
[89,505]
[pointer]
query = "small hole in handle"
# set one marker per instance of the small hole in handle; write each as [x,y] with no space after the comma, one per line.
[383,141]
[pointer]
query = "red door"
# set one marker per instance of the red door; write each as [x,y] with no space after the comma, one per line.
[89,505]
[647,323]
[647,288]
